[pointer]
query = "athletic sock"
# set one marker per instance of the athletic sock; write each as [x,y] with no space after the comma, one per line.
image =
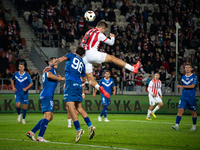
[24,113]
[37,126]
[155,109]
[129,67]
[77,125]
[178,119]
[18,110]
[105,111]
[87,121]
[69,121]
[194,120]
[148,113]
[43,127]
[97,86]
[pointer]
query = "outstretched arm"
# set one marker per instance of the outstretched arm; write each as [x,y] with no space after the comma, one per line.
[56,62]
[53,77]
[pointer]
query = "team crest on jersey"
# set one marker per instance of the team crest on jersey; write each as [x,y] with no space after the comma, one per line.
[187,78]
[20,77]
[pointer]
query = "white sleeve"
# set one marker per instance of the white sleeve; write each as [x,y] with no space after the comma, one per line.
[159,89]
[106,40]
[150,87]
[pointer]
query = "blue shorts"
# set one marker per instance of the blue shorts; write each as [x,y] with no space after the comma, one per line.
[104,100]
[47,104]
[73,92]
[21,97]
[190,104]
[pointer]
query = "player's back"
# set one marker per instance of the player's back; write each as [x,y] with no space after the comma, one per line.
[22,81]
[107,84]
[75,68]
[49,85]
[91,40]
[185,81]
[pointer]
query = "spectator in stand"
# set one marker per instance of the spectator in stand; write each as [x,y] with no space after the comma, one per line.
[7,76]
[194,42]
[147,82]
[172,65]
[182,68]
[163,77]
[145,14]
[19,61]
[9,29]
[4,63]
[124,9]
[70,37]
[118,4]
[111,15]
[63,31]
[45,35]
[115,28]
[32,17]
[166,65]
[30,72]
[114,75]
[101,49]
[41,12]
[15,24]
[130,82]
[157,63]
[139,78]
[129,15]
[36,25]
[10,56]
[193,60]
[190,22]
[36,79]
[8,15]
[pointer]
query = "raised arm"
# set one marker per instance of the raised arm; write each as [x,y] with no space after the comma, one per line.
[56,62]
[104,39]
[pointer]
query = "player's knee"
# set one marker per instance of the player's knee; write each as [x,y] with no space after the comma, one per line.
[161,104]
[180,111]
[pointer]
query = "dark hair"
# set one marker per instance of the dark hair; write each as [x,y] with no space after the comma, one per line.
[22,64]
[107,71]
[52,58]
[80,50]
[102,23]
[157,73]
[189,65]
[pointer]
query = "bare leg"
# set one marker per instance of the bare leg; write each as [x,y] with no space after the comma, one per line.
[116,61]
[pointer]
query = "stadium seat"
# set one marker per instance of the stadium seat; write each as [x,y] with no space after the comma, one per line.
[172,44]
[63,43]
[122,18]
[150,19]
[117,12]
[146,75]
[117,19]
[191,51]
[98,4]
[26,15]
[9,87]
[153,37]
[148,26]
[5,87]
[40,20]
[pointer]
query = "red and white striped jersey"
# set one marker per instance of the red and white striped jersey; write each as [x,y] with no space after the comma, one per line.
[93,38]
[155,87]
[50,11]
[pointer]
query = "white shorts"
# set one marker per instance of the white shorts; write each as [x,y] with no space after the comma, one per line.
[153,100]
[93,56]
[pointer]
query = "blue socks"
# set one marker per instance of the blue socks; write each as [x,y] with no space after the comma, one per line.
[77,125]
[43,126]
[87,121]
[37,126]
[18,110]
[178,119]
[24,113]
[194,120]
[104,111]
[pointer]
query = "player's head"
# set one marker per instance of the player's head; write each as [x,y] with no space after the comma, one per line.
[80,51]
[150,77]
[102,26]
[107,74]
[51,60]
[188,68]
[157,76]
[21,67]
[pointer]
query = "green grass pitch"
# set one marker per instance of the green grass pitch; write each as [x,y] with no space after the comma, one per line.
[124,131]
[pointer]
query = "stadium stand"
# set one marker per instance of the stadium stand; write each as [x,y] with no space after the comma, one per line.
[145,28]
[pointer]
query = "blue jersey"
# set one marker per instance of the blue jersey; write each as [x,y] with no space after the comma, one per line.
[49,85]
[107,84]
[189,92]
[22,81]
[75,68]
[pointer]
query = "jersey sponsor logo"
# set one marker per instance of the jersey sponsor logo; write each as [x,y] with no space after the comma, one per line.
[187,82]
[21,80]
[65,94]
[107,84]
[75,84]
[25,100]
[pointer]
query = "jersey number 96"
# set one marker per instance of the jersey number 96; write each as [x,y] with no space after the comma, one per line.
[77,65]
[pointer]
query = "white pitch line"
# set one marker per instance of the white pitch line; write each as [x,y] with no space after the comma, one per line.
[151,121]
[86,145]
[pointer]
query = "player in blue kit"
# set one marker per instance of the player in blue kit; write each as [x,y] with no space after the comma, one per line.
[22,84]
[50,80]
[74,69]
[108,84]
[188,97]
